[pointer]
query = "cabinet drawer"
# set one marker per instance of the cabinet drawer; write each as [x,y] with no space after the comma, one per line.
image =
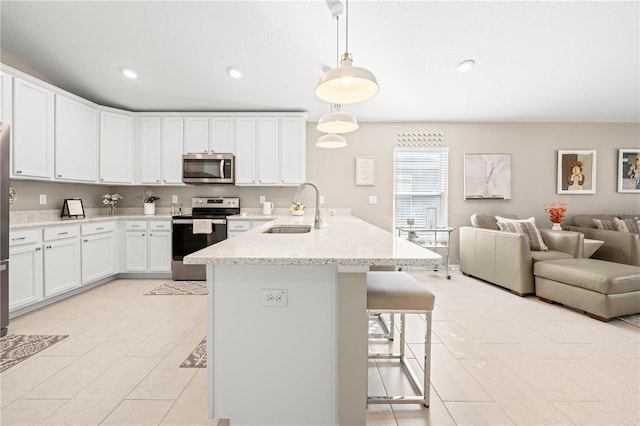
[156,225]
[240,225]
[97,228]
[26,236]
[60,232]
[136,225]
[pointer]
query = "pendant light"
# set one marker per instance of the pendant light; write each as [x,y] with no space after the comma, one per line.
[331,141]
[347,84]
[337,122]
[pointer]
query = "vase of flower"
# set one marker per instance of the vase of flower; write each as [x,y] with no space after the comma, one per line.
[110,200]
[297,209]
[149,202]
[556,227]
[556,214]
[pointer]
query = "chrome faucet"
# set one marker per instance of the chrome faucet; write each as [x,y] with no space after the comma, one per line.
[318,219]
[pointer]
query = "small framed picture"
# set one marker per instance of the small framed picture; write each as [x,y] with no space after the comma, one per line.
[365,170]
[576,171]
[72,207]
[629,170]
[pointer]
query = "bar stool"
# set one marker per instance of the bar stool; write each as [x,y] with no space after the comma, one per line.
[399,292]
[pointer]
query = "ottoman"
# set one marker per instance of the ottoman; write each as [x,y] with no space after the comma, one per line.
[602,289]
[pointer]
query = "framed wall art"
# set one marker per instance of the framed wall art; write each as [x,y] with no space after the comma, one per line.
[487,176]
[365,170]
[629,170]
[576,172]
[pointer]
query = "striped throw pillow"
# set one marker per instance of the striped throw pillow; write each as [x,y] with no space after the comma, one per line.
[605,224]
[526,227]
[627,225]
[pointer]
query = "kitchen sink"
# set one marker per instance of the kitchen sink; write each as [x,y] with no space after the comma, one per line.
[288,229]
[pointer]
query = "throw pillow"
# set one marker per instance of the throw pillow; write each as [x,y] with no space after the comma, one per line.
[526,227]
[605,224]
[627,225]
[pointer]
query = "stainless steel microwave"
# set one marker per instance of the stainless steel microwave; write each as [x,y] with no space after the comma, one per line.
[208,168]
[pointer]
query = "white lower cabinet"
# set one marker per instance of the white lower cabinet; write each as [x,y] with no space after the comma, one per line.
[61,259]
[148,246]
[238,226]
[25,268]
[98,251]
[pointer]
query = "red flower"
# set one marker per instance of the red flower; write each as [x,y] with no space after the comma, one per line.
[556,211]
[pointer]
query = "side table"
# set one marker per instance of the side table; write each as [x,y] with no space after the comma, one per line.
[591,246]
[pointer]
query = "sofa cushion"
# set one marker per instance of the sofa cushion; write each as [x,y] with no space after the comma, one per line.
[485,221]
[523,226]
[586,220]
[592,274]
[539,256]
[627,225]
[605,224]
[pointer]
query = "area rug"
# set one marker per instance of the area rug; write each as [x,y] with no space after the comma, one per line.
[198,358]
[633,319]
[15,348]
[180,288]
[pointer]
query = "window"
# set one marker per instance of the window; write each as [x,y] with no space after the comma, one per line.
[420,186]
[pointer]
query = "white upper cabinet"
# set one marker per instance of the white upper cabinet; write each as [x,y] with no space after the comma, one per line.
[150,140]
[208,135]
[161,145]
[268,156]
[293,150]
[76,143]
[245,161]
[222,135]
[196,135]
[270,151]
[116,154]
[6,97]
[172,147]
[32,132]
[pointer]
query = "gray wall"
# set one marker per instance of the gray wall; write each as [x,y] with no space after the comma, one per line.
[533,148]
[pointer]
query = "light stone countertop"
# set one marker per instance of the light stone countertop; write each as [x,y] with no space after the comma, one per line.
[35,220]
[344,240]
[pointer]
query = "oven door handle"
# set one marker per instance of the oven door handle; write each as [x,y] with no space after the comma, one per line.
[190,221]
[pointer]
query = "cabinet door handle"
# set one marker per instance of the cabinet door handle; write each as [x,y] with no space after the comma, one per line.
[19,238]
[157,180]
[48,247]
[63,233]
[18,172]
[38,248]
[150,234]
[86,241]
[59,175]
[135,226]
[143,235]
[100,229]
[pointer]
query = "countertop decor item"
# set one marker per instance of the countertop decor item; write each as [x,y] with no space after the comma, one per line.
[556,214]
[110,200]
[297,209]
[149,201]
[13,195]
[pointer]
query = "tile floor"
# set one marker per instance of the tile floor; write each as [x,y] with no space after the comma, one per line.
[498,359]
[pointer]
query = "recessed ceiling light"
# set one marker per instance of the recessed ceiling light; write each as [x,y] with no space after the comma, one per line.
[129,73]
[234,72]
[465,66]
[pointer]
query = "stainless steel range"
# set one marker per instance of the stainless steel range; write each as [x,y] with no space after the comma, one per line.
[206,225]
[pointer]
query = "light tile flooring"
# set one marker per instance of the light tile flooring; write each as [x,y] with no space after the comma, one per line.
[498,359]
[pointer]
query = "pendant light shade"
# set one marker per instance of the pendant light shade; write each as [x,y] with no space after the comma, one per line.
[337,122]
[331,141]
[347,84]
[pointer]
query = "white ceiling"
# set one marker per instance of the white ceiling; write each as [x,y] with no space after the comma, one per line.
[535,60]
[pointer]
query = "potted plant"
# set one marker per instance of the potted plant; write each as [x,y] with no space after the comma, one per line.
[297,209]
[149,201]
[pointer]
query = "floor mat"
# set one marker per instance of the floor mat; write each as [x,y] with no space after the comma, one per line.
[180,288]
[15,348]
[198,358]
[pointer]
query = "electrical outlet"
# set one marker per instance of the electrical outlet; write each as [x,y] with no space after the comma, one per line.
[276,298]
[262,199]
[373,199]
[43,198]
[322,199]
[174,198]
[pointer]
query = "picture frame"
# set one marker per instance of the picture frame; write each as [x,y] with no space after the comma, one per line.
[365,171]
[576,171]
[487,176]
[629,170]
[72,207]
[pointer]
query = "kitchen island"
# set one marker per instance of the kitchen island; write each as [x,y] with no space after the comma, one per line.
[287,323]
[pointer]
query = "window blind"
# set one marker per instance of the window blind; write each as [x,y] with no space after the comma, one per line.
[420,187]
